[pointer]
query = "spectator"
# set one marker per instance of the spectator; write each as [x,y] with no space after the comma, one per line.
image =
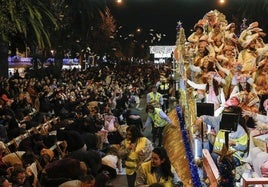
[111,162]
[19,177]
[74,140]
[87,181]
[91,158]
[60,171]
[4,182]
[135,149]
[158,169]
[133,117]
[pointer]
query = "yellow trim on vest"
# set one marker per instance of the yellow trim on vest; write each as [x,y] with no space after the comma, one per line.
[133,159]
[158,121]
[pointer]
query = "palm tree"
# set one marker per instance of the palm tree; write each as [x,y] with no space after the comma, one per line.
[23,18]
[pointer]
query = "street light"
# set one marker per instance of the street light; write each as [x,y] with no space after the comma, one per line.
[119,1]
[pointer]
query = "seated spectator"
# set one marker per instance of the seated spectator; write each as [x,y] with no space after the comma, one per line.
[19,177]
[88,181]
[102,180]
[34,143]
[47,157]
[73,138]
[91,158]
[4,182]
[63,170]
[133,117]
[111,162]
[31,165]
[4,168]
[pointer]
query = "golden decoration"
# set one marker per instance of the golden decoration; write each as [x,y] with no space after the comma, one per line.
[173,143]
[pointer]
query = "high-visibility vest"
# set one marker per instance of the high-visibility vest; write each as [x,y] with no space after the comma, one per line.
[158,121]
[151,177]
[164,86]
[132,159]
[220,141]
[155,99]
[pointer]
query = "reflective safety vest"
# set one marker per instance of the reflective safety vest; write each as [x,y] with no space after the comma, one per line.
[132,159]
[158,121]
[151,178]
[164,86]
[220,141]
[155,99]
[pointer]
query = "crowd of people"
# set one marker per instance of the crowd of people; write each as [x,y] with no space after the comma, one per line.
[93,119]
[77,129]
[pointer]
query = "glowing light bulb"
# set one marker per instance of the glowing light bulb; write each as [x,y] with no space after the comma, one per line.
[222,1]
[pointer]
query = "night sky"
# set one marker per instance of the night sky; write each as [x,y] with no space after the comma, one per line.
[162,15]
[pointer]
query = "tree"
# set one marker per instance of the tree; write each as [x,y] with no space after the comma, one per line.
[83,24]
[23,18]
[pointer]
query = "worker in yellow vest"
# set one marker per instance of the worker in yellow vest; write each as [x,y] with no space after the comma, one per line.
[237,140]
[163,89]
[157,170]
[155,98]
[159,119]
[134,149]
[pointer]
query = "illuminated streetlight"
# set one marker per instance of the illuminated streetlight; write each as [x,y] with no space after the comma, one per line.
[222,1]
[119,1]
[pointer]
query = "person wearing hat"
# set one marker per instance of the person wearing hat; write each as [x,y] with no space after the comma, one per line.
[225,65]
[203,50]
[262,76]
[211,20]
[248,56]
[215,34]
[229,35]
[242,82]
[218,44]
[197,34]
